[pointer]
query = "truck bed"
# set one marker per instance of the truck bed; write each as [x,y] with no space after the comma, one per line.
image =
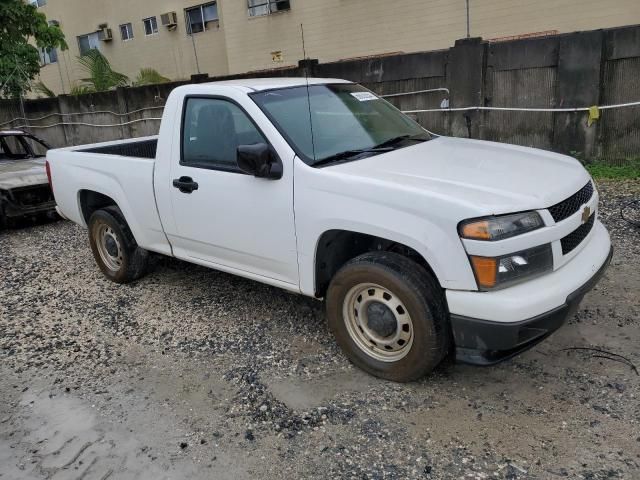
[137,148]
[122,170]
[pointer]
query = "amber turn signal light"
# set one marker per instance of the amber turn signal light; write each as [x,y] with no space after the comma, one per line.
[477,230]
[486,270]
[501,226]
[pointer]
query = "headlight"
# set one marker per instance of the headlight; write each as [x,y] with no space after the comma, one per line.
[493,273]
[501,227]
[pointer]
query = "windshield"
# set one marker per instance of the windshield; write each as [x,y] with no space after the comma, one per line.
[347,121]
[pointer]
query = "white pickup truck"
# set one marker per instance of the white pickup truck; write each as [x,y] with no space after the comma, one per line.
[420,244]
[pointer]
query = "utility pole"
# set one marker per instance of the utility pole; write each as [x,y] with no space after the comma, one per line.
[60,72]
[468,21]
[22,111]
[195,52]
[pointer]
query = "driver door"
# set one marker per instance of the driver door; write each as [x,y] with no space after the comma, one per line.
[223,217]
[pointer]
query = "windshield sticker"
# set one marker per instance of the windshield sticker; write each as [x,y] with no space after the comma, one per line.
[364,96]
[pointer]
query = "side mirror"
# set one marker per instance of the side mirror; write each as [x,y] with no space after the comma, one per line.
[259,160]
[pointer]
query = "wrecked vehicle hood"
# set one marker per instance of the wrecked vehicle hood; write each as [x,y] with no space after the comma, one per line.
[22,173]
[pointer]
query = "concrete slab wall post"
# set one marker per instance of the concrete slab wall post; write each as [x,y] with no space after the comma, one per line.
[308,67]
[68,131]
[578,85]
[200,78]
[465,81]
[123,107]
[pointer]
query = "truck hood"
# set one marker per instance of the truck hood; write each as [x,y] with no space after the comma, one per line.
[489,177]
[22,173]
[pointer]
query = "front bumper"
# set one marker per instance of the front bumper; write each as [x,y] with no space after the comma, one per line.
[26,201]
[12,210]
[483,341]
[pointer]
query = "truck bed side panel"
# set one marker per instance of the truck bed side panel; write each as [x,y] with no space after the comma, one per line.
[127,180]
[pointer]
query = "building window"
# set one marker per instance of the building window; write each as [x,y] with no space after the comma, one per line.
[88,42]
[48,55]
[126,31]
[150,26]
[38,3]
[265,7]
[201,18]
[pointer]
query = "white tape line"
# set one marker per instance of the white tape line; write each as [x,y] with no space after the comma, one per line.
[80,113]
[87,124]
[514,109]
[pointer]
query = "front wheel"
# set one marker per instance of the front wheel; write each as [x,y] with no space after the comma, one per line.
[114,248]
[388,315]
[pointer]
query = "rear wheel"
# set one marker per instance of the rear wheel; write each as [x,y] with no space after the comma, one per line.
[114,248]
[4,223]
[388,315]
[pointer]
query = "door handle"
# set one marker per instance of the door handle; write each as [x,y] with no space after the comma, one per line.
[185,184]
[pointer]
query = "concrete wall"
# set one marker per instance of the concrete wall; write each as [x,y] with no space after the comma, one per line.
[334,30]
[581,69]
[339,29]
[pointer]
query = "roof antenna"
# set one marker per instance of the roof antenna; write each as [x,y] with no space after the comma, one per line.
[306,76]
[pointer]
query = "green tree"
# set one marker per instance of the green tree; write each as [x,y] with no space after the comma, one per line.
[101,76]
[22,26]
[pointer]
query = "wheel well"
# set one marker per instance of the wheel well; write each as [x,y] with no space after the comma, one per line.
[337,247]
[91,201]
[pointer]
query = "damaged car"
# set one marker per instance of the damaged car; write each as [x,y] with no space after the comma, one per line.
[24,189]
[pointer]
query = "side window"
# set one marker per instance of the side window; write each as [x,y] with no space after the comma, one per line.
[213,129]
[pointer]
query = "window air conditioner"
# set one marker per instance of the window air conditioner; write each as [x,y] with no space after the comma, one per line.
[105,35]
[169,20]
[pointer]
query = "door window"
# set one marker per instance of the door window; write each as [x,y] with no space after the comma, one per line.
[213,129]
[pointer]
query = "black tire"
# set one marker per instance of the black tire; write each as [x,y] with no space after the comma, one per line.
[417,290]
[132,259]
[4,221]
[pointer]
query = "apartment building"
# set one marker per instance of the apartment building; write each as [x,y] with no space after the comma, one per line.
[179,38]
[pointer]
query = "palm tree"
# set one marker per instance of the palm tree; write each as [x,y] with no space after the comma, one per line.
[43,90]
[101,77]
[81,89]
[149,76]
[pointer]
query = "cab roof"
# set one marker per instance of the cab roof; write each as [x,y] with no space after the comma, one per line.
[259,84]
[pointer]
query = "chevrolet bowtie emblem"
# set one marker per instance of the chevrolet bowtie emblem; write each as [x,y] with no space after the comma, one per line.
[586,214]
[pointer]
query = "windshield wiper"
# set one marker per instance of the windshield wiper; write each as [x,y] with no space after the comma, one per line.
[386,146]
[392,141]
[350,153]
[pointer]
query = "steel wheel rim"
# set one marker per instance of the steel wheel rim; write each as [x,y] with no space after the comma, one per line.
[109,247]
[388,348]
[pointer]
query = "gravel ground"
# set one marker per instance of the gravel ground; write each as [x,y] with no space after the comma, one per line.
[192,373]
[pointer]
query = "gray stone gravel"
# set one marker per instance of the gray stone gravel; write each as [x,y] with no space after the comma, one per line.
[192,373]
